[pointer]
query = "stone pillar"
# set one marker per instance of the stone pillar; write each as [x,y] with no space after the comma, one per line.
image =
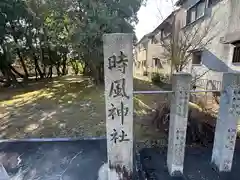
[118,67]
[178,123]
[226,128]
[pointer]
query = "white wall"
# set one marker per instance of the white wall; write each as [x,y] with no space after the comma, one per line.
[222,17]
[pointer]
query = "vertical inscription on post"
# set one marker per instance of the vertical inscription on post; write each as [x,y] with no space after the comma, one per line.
[179,146]
[226,128]
[182,106]
[178,123]
[234,100]
[118,65]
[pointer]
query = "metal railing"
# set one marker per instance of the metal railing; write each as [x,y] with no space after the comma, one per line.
[165,92]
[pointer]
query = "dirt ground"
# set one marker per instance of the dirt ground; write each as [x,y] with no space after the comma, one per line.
[68,106]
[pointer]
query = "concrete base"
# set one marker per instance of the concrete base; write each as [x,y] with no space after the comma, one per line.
[65,160]
[3,173]
[82,159]
[197,165]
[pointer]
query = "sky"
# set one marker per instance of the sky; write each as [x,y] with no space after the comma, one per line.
[151,15]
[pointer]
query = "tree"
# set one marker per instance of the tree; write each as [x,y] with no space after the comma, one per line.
[97,18]
[44,34]
[9,18]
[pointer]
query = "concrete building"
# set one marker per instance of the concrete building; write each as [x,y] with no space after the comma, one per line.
[140,51]
[216,24]
[149,51]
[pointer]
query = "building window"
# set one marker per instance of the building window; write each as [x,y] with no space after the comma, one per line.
[157,63]
[196,11]
[200,9]
[212,2]
[144,63]
[191,13]
[138,64]
[236,55]
[154,40]
[197,57]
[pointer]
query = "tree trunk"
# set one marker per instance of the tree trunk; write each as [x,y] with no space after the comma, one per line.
[13,77]
[101,72]
[64,64]
[23,64]
[43,60]
[85,69]
[19,54]
[8,82]
[50,72]
[36,74]
[58,68]
[16,72]
[94,72]
[37,68]
[44,70]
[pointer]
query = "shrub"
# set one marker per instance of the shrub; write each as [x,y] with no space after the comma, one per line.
[156,78]
[165,78]
[160,77]
[76,66]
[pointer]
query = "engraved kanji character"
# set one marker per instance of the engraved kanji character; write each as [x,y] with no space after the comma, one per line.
[122,63]
[122,137]
[112,111]
[118,89]
[122,111]
[112,61]
[114,136]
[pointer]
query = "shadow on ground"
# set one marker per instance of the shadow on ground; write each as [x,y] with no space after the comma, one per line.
[68,106]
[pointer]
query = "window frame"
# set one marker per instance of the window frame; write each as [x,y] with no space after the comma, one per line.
[194,54]
[154,40]
[213,2]
[237,46]
[157,63]
[195,7]
[203,12]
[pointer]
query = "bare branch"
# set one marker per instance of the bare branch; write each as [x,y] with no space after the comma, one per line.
[159,11]
[199,76]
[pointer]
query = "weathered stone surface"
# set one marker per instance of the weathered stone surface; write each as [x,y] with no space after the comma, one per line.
[178,123]
[118,66]
[3,173]
[226,128]
[66,160]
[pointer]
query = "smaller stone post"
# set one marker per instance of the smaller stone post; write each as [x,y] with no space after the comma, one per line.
[178,123]
[226,128]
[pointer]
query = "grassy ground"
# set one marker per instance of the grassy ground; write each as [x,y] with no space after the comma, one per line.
[67,107]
